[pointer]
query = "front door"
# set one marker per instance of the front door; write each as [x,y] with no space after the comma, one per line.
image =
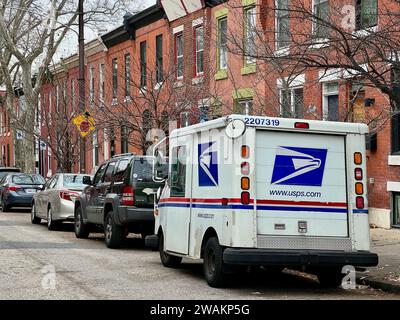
[178,207]
[91,193]
[101,191]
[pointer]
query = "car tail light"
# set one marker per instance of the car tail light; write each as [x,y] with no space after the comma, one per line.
[245,198]
[359,188]
[358,158]
[302,125]
[245,152]
[245,166]
[358,174]
[128,196]
[360,203]
[68,195]
[12,188]
[245,183]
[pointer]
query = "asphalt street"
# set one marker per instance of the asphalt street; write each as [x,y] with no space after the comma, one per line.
[39,264]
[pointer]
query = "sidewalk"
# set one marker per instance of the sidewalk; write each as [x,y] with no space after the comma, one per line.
[386,276]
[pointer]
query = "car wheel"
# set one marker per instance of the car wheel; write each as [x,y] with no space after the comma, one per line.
[81,229]
[167,260]
[34,218]
[213,263]
[113,234]
[4,206]
[51,224]
[330,277]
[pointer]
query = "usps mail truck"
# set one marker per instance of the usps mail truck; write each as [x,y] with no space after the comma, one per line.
[258,191]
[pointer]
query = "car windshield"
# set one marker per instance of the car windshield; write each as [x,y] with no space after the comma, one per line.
[143,170]
[28,179]
[74,181]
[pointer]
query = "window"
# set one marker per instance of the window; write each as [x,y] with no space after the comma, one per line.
[199,34]
[331,101]
[321,14]
[178,172]
[99,174]
[222,43]
[143,65]
[366,14]
[91,84]
[292,103]
[282,24]
[95,150]
[124,139]
[109,173]
[127,75]
[102,83]
[244,106]
[250,35]
[73,94]
[179,55]
[159,59]
[203,108]
[184,119]
[115,77]
[121,170]
[58,98]
[396,209]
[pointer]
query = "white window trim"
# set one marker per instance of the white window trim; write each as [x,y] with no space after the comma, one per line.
[198,74]
[362,33]
[219,49]
[250,60]
[176,53]
[178,29]
[325,95]
[283,50]
[197,22]
[292,97]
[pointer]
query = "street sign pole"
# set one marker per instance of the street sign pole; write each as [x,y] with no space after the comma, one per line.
[82,81]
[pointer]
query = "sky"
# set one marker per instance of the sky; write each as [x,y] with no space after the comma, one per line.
[70,42]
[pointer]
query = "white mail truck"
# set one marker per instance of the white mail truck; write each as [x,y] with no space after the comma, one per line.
[271,192]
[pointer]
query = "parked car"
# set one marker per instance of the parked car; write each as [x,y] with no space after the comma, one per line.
[55,203]
[116,200]
[6,170]
[18,189]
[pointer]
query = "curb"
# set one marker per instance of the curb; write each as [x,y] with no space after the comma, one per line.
[379,284]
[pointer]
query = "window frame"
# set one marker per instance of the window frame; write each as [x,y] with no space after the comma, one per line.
[127,61]
[143,63]
[359,23]
[102,81]
[292,110]
[175,153]
[91,84]
[395,212]
[315,23]
[179,35]
[114,66]
[219,43]
[325,96]
[197,51]
[278,17]
[159,59]
[248,60]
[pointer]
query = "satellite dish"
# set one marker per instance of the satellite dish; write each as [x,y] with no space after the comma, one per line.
[235,128]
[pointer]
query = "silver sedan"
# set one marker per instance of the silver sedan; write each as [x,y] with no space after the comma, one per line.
[55,203]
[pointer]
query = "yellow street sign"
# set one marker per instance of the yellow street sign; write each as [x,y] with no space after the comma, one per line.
[85,123]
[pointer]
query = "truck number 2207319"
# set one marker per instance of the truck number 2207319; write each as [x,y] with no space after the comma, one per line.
[262,121]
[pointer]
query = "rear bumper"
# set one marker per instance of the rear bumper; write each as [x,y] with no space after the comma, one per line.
[17,200]
[128,215]
[299,258]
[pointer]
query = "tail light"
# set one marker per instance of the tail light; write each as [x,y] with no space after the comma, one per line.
[12,188]
[245,166]
[358,174]
[360,203]
[302,125]
[358,158]
[68,195]
[245,183]
[359,188]
[245,198]
[128,196]
[245,152]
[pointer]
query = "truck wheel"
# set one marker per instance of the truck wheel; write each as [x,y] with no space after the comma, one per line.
[213,263]
[34,218]
[114,234]
[81,229]
[330,277]
[167,260]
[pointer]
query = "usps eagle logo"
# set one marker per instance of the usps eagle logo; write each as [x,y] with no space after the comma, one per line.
[208,164]
[299,166]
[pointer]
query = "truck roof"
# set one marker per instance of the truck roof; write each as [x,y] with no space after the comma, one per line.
[285,124]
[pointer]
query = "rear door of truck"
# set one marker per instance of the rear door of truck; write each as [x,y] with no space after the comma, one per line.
[301,184]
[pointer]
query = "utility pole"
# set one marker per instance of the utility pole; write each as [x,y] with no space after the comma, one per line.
[82,158]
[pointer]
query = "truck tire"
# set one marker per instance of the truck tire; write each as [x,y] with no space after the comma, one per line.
[167,260]
[113,234]
[330,277]
[34,218]
[213,264]
[81,229]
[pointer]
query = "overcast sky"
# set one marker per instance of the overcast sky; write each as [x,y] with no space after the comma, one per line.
[70,43]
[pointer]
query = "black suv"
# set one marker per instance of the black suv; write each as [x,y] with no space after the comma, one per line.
[116,202]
